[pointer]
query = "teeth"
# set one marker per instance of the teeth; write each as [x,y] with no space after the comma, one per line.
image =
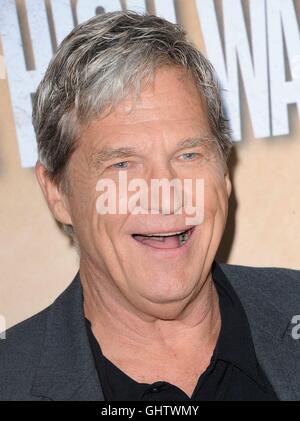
[183,238]
[169,234]
[159,238]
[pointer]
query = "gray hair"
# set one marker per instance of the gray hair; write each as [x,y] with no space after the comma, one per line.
[97,65]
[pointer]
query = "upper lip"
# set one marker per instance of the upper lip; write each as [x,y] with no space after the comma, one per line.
[160,231]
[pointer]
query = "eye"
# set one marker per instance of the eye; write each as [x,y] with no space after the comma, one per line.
[190,156]
[121,165]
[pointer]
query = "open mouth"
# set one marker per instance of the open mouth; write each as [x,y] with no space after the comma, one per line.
[170,240]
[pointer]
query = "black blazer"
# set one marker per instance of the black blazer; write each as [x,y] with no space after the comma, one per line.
[48,356]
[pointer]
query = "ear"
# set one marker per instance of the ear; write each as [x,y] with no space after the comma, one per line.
[228,183]
[56,199]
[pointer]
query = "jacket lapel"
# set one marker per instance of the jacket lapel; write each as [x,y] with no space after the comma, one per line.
[277,352]
[66,369]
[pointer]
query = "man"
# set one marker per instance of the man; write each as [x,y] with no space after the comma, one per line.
[150,315]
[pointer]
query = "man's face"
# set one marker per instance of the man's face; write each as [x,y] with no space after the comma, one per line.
[145,140]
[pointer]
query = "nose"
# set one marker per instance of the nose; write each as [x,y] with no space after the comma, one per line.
[165,190]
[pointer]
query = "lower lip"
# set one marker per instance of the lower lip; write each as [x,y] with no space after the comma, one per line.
[167,252]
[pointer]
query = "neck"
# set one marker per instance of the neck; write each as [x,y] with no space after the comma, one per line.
[119,324]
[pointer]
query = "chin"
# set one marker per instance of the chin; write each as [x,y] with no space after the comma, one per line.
[163,289]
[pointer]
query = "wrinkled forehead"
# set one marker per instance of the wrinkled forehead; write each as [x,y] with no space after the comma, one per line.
[172,95]
[170,108]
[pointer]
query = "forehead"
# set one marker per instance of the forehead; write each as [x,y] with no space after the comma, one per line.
[170,109]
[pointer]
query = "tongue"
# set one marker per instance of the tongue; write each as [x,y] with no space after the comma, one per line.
[166,243]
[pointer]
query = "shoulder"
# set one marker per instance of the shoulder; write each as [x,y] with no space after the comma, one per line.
[279,285]
[262,275]
[21,350]
[19,355]
[271,300]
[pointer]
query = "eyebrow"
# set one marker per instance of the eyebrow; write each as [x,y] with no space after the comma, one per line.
[107,154]
[195,141]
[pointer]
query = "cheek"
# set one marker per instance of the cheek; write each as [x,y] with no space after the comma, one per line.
[108,229]
[215,200]
[83,210]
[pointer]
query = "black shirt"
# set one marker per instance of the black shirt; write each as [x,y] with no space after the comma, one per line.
[233,372]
